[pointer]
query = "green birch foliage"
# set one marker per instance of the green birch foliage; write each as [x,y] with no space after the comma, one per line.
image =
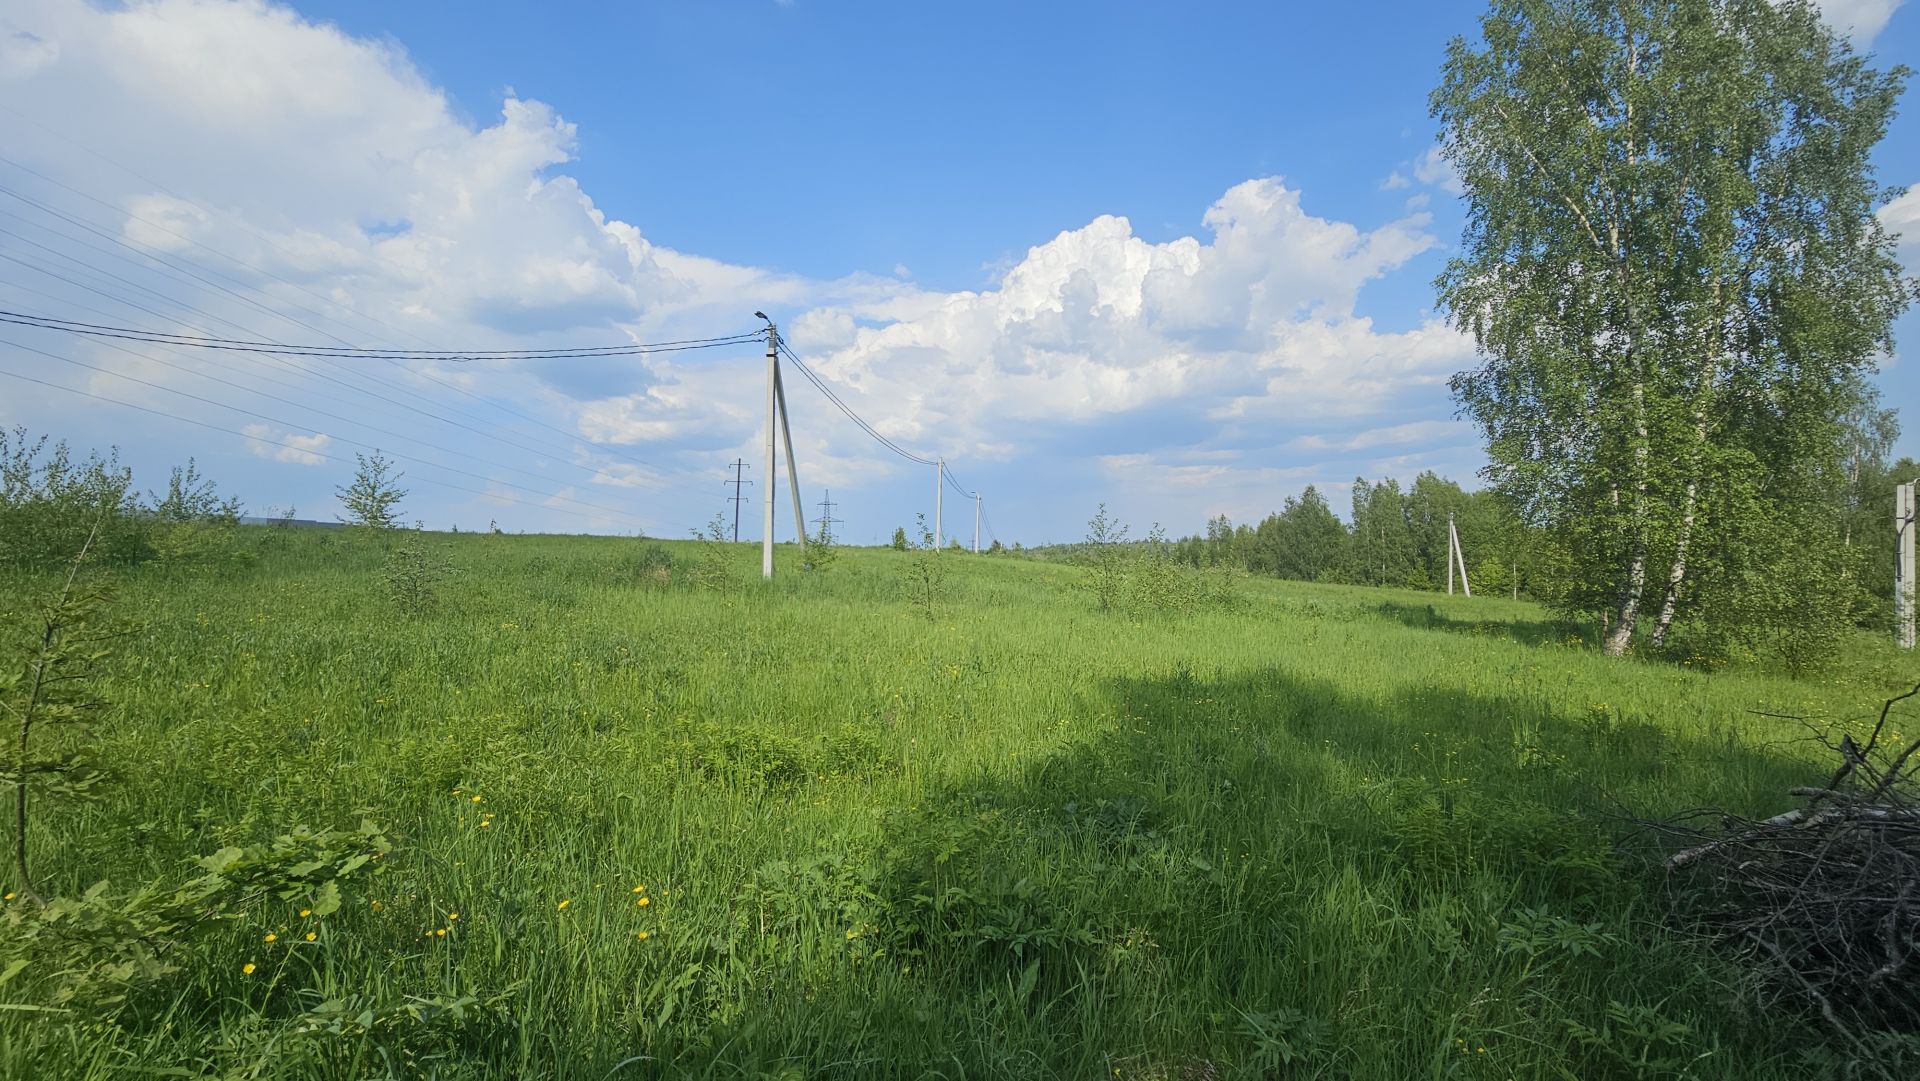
[1672,269]
[51,504]
[372,501]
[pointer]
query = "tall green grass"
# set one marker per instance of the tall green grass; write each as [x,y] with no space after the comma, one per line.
[1328,832]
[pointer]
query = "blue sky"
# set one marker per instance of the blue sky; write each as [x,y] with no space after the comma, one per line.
[1174,258]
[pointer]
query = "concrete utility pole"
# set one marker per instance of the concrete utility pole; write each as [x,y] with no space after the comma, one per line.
[773,421]
[939,484]
[736,499]
[1455,556]
[793,471]
[976,523]
[1903,529]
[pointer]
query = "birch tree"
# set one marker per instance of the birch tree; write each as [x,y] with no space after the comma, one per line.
[1672,270]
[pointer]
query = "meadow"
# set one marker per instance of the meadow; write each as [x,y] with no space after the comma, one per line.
[630,826]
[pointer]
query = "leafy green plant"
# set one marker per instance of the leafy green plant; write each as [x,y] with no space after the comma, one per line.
[651,565]
[822,552]
[1105,555]
[1154,584]
[1639,1042]
[716,571]
[94,949]
[191,523]
[51,504]
[415,569]
[50,691]
[1283,1038]
[925,577]
[372,501]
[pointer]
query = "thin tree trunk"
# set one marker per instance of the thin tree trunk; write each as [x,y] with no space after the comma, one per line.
[1621,636]
[1620,237]
[1679,571]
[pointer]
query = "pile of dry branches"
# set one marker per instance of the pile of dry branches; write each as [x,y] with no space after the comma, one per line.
[1823,901]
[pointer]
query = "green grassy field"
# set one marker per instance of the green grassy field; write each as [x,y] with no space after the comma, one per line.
[1328,832]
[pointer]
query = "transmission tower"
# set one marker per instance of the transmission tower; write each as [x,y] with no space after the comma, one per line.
[826,519]
[736,498]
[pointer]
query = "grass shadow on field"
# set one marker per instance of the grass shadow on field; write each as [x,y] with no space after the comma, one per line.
[1268,875]
[1530,632]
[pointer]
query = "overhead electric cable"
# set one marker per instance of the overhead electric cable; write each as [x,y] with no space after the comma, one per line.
[211,211]
[281,421]
[558,454]
[571,437]
[502,497]
[94,330]
[821,386]
[336,416]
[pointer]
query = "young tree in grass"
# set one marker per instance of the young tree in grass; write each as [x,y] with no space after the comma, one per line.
[373,499]
[1672,269]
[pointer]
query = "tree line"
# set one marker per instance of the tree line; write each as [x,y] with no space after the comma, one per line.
[1393,536]
[1396,536]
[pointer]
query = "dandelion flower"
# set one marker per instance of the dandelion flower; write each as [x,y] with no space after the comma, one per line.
[247,969]
[644,935]
[271,937]
[644,902]
[562,906]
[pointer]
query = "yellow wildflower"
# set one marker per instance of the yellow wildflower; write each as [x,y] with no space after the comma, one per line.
[247,969]
[271,937]
[305,912]
[442,932]
[639,889]
[476,799]
[562,906]
[644,902]
[452,916]
[311,936]
[644,935]
[484,824]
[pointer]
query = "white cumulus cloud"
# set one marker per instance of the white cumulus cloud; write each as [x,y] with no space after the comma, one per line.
[352,202]
[265,441]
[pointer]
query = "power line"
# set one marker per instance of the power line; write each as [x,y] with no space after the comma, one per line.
[307,450]
[94,330]
[332,416]
[248,341]
[954,483]
[822,387]
[559,454]
[389,354]
[290,424]
[156,185]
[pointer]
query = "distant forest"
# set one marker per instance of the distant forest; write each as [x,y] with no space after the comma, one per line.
[1397,536]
